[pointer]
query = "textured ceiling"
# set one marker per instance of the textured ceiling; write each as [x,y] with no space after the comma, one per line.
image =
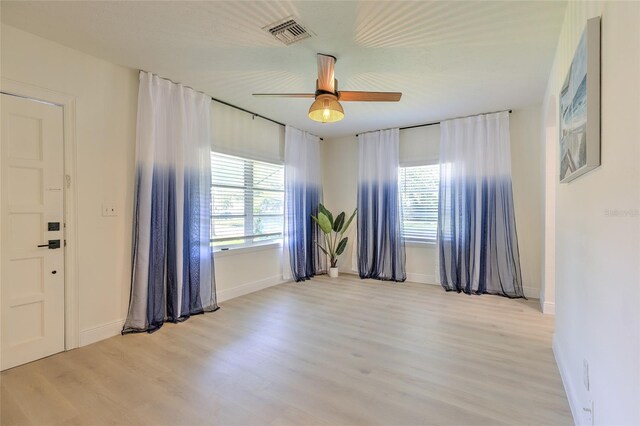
[448,58]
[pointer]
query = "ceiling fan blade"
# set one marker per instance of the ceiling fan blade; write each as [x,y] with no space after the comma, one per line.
[326,64]
[369,96]
[286,95]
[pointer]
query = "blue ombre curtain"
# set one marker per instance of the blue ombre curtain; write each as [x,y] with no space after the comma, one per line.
[478,243]
[303,194]
[381,253]
[173,276]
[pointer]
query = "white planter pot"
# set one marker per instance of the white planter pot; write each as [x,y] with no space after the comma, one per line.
[333,272]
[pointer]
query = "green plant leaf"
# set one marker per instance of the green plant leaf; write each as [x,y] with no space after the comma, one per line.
[327,213]
[347,223]
[337,224]
[341,246]
[324,223]
[323,250]
[315,219]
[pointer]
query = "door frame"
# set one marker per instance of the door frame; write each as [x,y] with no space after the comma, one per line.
[68,104]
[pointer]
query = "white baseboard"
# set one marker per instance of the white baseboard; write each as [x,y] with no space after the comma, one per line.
[531,292]
[347,269]
[250,287]
[549,308]
[574,402]
[411,277]
[421,278]
[113,328]
[101,332]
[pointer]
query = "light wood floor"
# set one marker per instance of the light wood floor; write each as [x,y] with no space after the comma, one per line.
[326,352]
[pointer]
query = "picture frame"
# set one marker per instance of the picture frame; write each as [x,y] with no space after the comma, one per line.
[579,108]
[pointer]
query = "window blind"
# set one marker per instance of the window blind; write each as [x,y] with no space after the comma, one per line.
[247,200]
[419,199]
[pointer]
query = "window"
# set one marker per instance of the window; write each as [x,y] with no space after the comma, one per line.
[419,198]
[248,201]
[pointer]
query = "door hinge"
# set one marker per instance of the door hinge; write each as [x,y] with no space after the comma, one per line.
[67,180]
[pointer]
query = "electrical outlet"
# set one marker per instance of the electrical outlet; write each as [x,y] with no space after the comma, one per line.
[585,373]
[109,210]
[587,414]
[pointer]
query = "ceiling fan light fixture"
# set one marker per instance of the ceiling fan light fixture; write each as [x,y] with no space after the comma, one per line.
[326,109]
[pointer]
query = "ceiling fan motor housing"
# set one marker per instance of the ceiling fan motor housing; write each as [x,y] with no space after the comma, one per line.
[320,91]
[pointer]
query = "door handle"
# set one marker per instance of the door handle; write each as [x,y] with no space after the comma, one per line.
[52,244]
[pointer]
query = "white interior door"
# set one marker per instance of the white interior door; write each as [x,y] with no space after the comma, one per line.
[32,297]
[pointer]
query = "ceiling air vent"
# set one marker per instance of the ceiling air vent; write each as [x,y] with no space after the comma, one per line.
[288,30]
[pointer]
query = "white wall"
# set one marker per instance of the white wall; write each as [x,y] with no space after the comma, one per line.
[106,102]
[106,105]
[237,133]
[242,271]
[528,194]
[597,252]
[339,184]
[421,146]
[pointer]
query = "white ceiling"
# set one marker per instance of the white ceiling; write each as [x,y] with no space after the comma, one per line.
[448,58]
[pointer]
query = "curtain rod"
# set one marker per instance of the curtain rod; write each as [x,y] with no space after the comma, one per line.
[247,111]
[438,122]
[253,113]
[228,104]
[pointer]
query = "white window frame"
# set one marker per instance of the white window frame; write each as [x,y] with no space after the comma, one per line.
[417,241]
[248,209]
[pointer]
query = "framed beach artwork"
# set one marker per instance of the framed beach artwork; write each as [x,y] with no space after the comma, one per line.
[580,107]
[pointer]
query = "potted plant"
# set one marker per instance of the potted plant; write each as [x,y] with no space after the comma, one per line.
[334,240]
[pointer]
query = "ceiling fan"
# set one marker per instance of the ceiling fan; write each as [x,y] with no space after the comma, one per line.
[326,108]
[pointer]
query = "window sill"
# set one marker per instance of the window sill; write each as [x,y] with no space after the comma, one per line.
[234,251]
[423,244]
